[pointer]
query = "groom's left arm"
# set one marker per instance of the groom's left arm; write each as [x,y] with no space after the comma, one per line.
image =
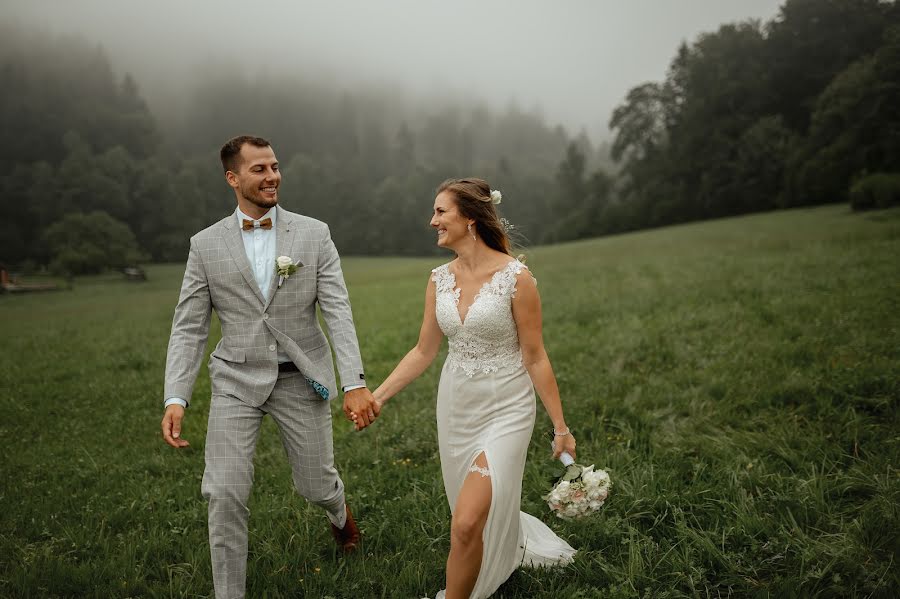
[334,301]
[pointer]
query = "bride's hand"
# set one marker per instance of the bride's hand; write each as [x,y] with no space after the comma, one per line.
[563,443]
[378,398]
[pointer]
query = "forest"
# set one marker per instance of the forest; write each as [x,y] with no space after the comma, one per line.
[756,116]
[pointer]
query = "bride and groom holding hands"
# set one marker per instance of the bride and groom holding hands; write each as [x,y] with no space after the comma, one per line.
[264,270]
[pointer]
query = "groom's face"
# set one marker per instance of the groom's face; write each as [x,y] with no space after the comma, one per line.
[258,176]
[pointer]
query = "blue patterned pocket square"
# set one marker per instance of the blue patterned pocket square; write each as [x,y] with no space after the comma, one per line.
[320,389]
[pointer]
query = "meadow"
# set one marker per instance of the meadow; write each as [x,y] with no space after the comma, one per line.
[739,379]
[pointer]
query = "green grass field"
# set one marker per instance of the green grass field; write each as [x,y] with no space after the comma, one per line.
[739,379]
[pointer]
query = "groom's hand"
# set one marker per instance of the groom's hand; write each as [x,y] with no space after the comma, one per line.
[171,426]
[360,407]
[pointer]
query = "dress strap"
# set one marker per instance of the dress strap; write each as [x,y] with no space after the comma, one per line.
[506,278]
[443,278]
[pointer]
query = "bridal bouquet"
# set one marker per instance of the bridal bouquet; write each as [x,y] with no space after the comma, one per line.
[580,491]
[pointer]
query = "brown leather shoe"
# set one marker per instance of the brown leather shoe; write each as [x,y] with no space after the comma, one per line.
[348,537]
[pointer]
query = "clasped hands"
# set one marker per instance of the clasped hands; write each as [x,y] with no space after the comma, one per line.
[361,408]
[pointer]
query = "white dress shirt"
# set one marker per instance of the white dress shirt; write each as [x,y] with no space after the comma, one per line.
[260,246]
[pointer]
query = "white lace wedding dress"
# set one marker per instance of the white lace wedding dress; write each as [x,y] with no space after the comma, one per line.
[486,404]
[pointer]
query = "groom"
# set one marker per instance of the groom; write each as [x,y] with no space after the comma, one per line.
[273,357]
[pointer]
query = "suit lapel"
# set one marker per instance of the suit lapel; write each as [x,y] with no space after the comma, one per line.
[284,241]
[235,245]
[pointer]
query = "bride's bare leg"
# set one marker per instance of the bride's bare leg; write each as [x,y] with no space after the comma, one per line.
[466,530]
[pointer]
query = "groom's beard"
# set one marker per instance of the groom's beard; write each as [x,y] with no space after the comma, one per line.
[255,197]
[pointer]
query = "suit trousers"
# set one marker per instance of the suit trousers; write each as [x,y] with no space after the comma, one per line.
[304,424]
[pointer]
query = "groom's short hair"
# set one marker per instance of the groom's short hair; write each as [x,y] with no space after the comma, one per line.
[231,151]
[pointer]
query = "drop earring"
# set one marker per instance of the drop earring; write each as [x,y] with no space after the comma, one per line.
[469,227]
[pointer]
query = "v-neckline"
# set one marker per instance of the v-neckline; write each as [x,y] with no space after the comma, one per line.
[457,292]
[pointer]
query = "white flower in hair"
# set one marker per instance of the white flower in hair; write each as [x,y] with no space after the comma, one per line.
[496,196]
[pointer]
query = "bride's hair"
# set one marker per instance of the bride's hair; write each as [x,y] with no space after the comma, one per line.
[473,198]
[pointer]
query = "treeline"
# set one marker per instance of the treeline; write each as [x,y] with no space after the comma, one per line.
[89,172]
[762,116]
[800,110]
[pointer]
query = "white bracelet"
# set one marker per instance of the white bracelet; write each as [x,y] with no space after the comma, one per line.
[559,434]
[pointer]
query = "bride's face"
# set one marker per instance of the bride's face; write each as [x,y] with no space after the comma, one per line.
[451,226]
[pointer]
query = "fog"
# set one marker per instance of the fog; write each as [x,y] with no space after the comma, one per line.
[571,61]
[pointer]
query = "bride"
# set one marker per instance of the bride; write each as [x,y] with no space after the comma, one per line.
[486,303]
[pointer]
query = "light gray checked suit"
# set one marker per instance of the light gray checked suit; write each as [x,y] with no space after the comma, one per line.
[244,375]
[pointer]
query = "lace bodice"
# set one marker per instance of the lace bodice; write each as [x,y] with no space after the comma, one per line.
[487,340]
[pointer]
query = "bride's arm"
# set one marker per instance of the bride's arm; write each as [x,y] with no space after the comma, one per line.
[419,357]
[526,307]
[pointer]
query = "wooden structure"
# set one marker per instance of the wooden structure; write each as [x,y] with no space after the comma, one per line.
[10,284]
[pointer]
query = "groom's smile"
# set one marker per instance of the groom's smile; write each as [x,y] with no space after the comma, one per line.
[265,196]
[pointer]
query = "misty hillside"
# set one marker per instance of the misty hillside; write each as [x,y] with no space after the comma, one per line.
[368,165]
[750,117]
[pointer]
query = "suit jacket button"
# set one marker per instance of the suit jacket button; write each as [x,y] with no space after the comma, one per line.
[272,347]
[265,317]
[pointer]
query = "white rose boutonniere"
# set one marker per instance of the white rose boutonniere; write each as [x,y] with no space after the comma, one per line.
[285,267]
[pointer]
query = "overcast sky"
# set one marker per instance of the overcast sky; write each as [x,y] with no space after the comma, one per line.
[574,59]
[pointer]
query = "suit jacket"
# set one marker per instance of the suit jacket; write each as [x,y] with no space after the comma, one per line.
[256,322]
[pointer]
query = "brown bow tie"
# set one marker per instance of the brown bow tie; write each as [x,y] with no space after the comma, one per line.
[249,225]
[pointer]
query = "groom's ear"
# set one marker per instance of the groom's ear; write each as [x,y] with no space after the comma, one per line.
[231,179]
